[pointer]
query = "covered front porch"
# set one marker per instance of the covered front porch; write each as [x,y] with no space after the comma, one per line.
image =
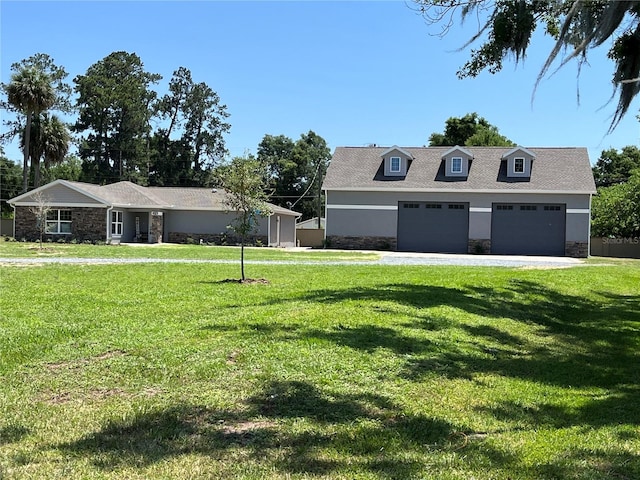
[136,226]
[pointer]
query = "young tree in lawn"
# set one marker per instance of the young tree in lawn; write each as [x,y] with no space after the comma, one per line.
[40,210]
[244,182]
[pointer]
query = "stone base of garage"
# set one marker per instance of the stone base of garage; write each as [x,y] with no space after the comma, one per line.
[361,243]
[576,249]
[479,246]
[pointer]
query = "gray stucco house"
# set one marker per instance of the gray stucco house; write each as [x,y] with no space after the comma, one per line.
[126,212]
[500,200]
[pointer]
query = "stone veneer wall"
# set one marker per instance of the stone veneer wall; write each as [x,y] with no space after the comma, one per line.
[362,243]
[479,246]
[576,249]
[86,224]
[215,238]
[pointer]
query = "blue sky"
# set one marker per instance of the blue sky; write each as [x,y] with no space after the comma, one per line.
[354,72]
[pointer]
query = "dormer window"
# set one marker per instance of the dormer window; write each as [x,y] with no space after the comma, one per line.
[518,165]
[456,165]
[456,162]
[395,162]
[519,162]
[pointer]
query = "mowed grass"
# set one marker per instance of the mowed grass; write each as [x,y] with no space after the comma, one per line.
[174,251]
[349,372]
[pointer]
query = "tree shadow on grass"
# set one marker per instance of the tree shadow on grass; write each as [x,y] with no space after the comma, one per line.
[593,342]
[604,463]
[362,431]
[12,434]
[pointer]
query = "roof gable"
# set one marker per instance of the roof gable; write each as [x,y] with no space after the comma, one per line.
[520,149]
[60,192]
[396,148]
[459,149]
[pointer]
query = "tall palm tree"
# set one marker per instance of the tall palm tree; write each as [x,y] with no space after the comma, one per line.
[50,139]
[29,92]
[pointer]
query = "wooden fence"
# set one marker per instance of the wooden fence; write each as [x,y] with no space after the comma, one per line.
[310,237]
[615,247]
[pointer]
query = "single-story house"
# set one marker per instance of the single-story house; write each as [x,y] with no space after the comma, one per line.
[126,212]
[500,200]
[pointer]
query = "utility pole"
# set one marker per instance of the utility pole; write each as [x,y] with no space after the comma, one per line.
[319,194]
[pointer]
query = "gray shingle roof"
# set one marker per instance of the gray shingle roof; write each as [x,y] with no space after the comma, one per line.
[124,194]
[553,170]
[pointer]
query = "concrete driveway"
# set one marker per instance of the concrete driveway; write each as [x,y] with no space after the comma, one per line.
[409,258]
[386,258]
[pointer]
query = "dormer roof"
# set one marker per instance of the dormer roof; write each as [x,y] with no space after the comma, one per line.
[396,148]
[457,148]
[518,149]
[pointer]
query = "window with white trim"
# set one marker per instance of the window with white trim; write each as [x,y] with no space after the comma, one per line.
[116,222]
[59,222]
[456,165]
[518,165]
[394,164]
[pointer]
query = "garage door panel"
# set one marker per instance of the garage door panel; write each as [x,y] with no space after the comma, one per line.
[433,227]
[528,229]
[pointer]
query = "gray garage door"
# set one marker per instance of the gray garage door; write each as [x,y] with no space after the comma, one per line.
[528,229]
[433,227]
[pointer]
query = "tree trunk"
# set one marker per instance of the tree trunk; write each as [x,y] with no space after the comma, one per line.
[25,161]
[36,172]
[242,257]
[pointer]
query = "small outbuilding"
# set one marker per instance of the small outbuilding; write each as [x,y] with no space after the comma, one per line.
[126,212]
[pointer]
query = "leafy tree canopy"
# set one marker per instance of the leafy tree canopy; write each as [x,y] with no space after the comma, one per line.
[294,168]
[10,183]
[114,106]
[576,25]
[29,93]
[57,76]
[615,211]
[616,167]
[70,168]
[469,130]
[50,140]
[115,109]
[191,140]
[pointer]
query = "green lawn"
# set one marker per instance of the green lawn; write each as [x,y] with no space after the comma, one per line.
[202,252]
[167,371]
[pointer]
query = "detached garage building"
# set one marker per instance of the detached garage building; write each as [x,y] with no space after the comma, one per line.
[526,201]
